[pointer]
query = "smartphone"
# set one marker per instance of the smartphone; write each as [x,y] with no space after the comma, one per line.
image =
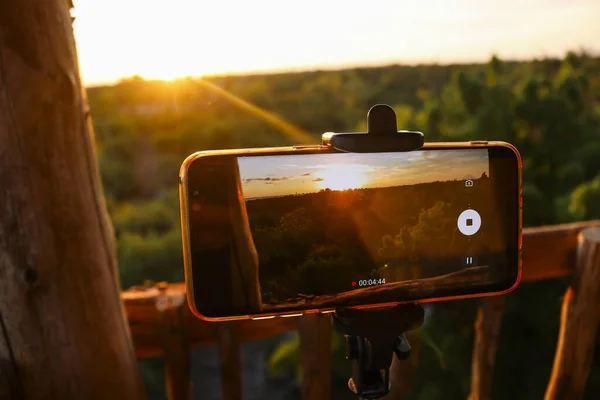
[286,231]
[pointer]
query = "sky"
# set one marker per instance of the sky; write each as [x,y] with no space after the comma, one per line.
[283,175]
[176,38]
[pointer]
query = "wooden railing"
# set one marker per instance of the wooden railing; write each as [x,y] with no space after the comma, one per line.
[161,323]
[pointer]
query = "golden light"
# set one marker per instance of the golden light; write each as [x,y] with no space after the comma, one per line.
[341,177]
[178,38]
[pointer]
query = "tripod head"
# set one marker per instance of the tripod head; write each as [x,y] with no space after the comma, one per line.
[373,336]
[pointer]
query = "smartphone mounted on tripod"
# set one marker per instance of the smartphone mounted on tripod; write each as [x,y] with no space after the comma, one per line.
[365,226]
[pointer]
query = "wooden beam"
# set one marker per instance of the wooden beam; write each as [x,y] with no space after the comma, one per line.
[315,356]
[63,332]
[229,359]
[549,252]
[140,304]
[579,323]
[487,328]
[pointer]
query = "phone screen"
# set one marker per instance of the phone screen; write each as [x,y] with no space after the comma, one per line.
[347,229]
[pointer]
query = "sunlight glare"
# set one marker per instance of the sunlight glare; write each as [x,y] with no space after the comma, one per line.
[341,177]
[158,39]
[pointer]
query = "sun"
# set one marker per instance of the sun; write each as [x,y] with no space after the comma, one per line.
[341,177]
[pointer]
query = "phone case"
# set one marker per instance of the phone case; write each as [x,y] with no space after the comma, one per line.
[320,149]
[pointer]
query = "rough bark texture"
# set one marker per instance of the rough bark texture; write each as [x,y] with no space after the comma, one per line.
[487,328]
[579,323]
[63,332]
[315,356]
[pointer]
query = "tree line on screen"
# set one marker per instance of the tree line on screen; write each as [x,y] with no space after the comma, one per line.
[319,243]
[548,108]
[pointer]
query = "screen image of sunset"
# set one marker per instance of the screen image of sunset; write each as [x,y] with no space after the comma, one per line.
[297,174]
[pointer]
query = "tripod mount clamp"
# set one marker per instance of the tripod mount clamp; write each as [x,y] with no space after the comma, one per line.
[382,135]
[374,335]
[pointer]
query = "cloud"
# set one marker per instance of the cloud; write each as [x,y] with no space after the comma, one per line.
[267,179]
[318,180]
[357,167]
[305,174]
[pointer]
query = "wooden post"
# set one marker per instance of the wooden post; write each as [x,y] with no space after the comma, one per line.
[228,343]
[172,316]
[63,332]
[315,356]
[579,323]
[487,328]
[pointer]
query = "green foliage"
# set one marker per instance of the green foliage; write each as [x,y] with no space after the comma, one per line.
[585,200]
[144,219]
[153,375]
[445,354]
[285,358]
[153,257]
[548,108]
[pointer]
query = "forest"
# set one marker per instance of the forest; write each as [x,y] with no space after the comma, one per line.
[317,244]
[548,108]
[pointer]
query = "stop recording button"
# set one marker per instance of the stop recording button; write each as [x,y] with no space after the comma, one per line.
[469,222]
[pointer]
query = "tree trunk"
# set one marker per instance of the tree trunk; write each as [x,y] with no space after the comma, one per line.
[63,333]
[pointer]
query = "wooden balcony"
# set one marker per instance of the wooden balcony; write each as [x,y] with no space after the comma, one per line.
[161,323]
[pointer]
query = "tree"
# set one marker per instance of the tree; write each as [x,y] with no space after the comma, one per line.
[63,334]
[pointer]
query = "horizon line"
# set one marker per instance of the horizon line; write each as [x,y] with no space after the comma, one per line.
[592,53]
[359,188]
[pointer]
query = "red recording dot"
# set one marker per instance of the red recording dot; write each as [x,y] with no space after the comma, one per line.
[353,283]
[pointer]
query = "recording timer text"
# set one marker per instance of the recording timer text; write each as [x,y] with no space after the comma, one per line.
[369,282]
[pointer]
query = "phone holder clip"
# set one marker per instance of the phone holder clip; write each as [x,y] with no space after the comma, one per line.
[381,136]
